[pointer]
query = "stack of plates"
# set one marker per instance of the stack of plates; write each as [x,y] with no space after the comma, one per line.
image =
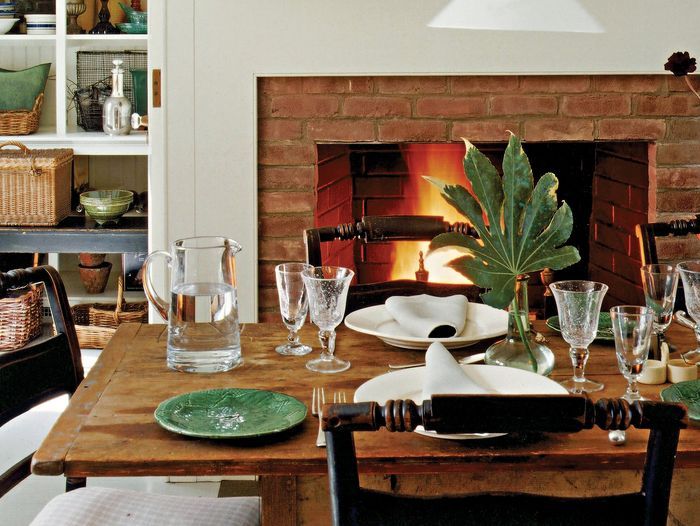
[8,9]
[41,24]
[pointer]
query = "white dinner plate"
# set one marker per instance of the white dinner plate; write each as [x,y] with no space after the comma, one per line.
[407,384]
[377,321]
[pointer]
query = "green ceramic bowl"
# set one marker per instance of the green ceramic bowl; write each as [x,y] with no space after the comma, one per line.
[106,205]
[133,29]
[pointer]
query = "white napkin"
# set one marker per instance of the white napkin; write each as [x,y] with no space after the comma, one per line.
[443,375]
[425,316]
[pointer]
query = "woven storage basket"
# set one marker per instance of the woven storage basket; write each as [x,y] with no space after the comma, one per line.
[20,317]
[35,185]
[21,122]
[96,323]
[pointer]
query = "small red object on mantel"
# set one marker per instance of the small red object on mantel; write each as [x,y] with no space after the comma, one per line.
[136,4]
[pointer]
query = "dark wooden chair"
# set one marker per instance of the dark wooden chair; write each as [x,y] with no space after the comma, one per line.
[44,369]
[352,505]
[51,366]
[648,233]
[376,229]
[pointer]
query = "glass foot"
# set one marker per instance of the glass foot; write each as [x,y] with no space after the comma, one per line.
[327,364]
[293,350]
[691,357]
[581,386]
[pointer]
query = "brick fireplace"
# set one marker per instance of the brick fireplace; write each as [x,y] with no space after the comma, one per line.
[646,129]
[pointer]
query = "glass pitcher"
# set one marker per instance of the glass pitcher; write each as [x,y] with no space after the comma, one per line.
[202,316]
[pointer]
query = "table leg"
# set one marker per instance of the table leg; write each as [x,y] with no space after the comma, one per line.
[278,500]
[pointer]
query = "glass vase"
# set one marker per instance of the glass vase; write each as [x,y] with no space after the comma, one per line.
[519,348]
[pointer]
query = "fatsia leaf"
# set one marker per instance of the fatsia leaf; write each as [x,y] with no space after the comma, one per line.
[525,228]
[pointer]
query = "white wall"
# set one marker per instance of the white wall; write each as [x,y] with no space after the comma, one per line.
[216,49]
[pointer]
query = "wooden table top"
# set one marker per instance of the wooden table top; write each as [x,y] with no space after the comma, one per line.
[109,428]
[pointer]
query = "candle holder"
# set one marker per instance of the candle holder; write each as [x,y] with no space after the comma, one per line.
[74,8]
[104,27]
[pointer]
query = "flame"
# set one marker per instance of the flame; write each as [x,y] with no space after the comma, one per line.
[443,161]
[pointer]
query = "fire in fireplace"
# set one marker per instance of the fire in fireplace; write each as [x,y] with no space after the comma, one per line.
[595,179]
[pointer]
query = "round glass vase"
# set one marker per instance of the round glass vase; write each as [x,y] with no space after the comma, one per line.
[513,351]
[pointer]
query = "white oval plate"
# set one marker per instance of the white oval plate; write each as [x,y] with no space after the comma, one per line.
[377,321]
[407,384]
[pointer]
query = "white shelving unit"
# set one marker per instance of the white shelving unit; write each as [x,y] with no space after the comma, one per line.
[116,162]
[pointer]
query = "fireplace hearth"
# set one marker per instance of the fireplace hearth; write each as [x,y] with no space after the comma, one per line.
[630,141]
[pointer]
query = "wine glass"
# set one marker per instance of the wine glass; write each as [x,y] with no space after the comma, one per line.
[294,306]
[660,283]
[690,274]
[327,288]
[632,326]
[578,303]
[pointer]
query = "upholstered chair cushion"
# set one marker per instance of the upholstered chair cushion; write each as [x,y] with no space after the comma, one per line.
[106,507]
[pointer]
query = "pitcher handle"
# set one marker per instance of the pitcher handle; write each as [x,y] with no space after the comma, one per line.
[159,303]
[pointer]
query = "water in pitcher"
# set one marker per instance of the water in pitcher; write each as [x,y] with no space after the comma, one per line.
[203,328]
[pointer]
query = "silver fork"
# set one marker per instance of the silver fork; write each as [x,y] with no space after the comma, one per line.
[318,398]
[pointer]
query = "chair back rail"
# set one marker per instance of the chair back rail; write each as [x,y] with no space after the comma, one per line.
[377,229]
[352,505]
[43,369]
[648,233]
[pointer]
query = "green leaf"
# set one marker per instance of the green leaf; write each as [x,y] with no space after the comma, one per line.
[526,228]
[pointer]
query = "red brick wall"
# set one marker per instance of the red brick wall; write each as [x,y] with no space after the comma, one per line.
[621,201]
[297,113]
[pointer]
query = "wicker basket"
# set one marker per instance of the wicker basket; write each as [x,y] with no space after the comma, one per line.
[35,185]
[20,317]
[21,122]
[96,323]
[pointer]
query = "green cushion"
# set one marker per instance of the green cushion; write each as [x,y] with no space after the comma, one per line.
[19,89]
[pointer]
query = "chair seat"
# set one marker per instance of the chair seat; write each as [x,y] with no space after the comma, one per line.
[107,507]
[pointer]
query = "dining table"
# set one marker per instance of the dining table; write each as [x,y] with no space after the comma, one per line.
[109,429]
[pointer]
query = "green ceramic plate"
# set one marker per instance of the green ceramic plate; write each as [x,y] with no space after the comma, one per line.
[604,326]
[230,413]
[688,394]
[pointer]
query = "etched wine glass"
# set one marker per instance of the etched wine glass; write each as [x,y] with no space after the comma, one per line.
[660,283]
[632,326]
[690,274]
[294,306]
[578,303]
[327,288]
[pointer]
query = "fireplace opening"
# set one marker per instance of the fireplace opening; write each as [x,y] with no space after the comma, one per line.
[604,183]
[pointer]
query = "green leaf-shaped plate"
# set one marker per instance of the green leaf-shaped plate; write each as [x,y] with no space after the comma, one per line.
[230,413]
[688,394]
[605,331]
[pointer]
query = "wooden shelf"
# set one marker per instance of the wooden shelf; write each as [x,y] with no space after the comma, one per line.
[76,290]
[86,143]
[130,37]
[26,38]
[76,234]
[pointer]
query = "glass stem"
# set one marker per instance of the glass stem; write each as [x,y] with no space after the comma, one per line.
[579,357]
[293,338]
[327,339]
[632,388]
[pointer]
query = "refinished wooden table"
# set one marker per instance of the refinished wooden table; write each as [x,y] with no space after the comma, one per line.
[109,430]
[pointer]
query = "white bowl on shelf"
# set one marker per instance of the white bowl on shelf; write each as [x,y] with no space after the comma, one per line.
[6,24]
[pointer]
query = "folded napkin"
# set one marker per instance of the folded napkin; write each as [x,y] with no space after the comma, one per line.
[443,375]
[425,316]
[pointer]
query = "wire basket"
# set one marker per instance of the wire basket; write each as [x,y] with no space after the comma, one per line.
[88,104]
[95,68]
